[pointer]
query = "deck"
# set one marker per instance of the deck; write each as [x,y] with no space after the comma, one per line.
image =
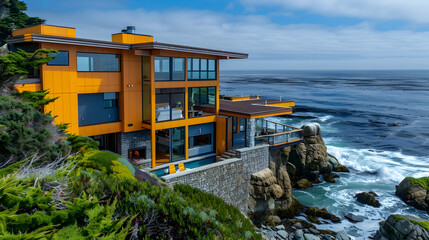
[276,135]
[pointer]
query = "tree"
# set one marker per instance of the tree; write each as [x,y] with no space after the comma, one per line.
[12,16]
[17,64]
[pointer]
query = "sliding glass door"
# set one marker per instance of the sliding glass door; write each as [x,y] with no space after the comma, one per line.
[170,145]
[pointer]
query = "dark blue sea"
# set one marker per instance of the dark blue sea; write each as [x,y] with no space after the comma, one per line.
[375,122]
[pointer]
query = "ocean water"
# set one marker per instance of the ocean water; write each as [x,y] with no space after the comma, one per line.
[374,122]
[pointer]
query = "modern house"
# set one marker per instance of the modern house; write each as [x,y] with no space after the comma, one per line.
[148,100]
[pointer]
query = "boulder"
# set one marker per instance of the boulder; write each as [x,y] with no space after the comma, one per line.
[398,227]
[309,236]
[341,235]
[321,212]
[273,220]
[311,129]
[330,177]
[341,168]
[368,198]
[353,218]
[414,192]
[303,184]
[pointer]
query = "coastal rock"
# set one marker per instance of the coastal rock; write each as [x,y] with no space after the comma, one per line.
[341,235]
[368,198]
[271,197]
[321,212]
[353,218]
[308,236]
[330,177]
[311,129]
[398,227]
[303,184]
[341,168]
[414,192]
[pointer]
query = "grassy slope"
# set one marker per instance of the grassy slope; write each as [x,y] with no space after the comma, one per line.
[423,182]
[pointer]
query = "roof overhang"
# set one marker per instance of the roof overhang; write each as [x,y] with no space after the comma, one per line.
[32,37]
[182,48]
[254,108]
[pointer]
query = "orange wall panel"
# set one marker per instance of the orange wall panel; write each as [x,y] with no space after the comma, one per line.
[28,87]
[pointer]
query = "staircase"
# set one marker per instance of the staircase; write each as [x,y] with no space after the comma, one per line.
[226,155]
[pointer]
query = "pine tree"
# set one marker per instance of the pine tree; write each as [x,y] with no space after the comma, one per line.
[12,16]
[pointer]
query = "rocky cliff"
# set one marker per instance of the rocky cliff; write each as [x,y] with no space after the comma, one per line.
[398,227]
[414,192]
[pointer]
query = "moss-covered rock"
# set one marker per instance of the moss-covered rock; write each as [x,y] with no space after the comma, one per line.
[414,192]
[368,198]
[398,227]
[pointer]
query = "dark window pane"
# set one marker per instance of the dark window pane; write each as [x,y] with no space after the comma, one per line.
[178,69]
[212,95]
[212,75]
[195,75]
[203,64]
[178,143]
[204,75]
[212,65]
[189,64]
[61,58]
[97,62]
[162,68]
[195,64]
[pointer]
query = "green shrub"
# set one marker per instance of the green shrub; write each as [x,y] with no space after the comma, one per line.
[25,131]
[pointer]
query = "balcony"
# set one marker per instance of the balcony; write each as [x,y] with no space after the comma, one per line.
[276,134]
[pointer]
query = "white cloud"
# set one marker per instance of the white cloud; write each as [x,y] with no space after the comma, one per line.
[270,45]
[409,10]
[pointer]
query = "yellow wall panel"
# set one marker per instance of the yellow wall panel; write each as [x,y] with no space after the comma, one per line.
[47,30]
[100,129]
[28,87]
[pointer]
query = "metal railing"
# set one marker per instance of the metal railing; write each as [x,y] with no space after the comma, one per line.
[274,134]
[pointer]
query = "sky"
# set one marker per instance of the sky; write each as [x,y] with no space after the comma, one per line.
[277,34]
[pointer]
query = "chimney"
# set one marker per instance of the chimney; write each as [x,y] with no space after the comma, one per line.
[131,29]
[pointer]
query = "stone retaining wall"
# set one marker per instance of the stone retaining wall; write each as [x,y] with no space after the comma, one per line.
[229,179]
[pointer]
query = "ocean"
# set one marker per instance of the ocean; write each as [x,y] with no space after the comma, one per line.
[375,122]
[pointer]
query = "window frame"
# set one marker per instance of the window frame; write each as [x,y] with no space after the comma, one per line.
[117,54]
[68,59]
[206,70]
[200,102]
[171,69]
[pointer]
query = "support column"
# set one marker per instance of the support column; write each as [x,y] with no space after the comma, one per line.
[250,132]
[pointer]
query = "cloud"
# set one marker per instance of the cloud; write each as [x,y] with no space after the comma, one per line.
[409,10]
[270,45]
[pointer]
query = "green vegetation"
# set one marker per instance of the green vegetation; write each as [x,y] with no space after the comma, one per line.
[422,182]
[424,224]
[12,16]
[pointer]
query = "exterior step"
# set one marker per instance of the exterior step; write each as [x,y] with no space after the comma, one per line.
[226,156]
[230,154]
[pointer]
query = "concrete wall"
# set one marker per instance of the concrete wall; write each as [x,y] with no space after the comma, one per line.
[229,179]
[137,139]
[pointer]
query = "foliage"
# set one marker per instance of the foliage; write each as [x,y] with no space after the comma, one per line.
[37,99]
[81,143]
[424,224]
[18,64]
[237,223]
[105,162]
[13,17]
[422,182]
[11,168]
[28,213]
[26,131]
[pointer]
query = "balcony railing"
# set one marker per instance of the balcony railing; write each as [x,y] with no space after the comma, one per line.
[276,134]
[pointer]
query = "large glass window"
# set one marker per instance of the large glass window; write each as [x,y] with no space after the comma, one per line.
[61,58]
[98,62]
[169,104]
[169,69]
[201,101]
[170,145]
[201,69]
[97,108]
[201,138]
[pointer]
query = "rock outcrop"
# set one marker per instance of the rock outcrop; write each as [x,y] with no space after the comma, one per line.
[368,198]
[271,196]
[398,227]
[308,160]
[414,192]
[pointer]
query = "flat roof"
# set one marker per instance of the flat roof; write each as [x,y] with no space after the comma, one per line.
[115,45]
[253,108]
